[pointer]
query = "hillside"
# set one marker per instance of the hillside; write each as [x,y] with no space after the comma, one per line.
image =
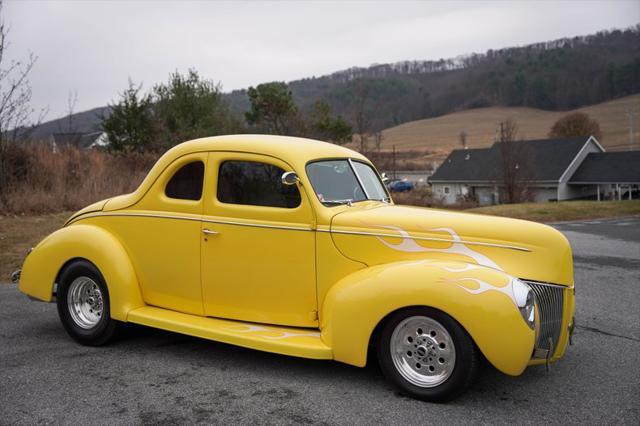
[442,133]
[82,122]
[555,75]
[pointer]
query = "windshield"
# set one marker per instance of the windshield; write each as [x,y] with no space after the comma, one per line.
[345,181]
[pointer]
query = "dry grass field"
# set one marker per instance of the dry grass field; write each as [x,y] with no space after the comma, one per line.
[19,233]
[441,134]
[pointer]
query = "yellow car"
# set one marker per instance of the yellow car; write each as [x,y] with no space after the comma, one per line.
[294,246]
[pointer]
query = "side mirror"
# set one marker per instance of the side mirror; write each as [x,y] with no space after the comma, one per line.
[290,178]
[385,179]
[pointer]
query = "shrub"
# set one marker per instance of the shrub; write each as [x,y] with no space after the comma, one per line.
[38,180]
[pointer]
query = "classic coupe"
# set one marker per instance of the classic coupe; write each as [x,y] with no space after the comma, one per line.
[294,246]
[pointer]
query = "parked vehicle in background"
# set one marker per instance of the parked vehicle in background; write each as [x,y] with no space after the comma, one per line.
[400,185]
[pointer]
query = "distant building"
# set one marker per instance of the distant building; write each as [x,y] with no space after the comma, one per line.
[79,140]
[557,169]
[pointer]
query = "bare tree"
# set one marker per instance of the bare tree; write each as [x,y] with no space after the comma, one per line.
[378,137]
[361,114]
[15,100]
[69,125]
[513,168]
[15,90]
[462,137]
[72,99]
[576,124]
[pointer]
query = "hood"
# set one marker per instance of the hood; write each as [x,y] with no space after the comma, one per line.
[382,234]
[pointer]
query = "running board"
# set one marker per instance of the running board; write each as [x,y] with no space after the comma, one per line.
[305,343]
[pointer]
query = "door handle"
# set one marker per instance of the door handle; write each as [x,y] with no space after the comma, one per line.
[206,231]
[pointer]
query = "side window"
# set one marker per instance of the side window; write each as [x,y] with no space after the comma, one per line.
[186,183]
[255,184]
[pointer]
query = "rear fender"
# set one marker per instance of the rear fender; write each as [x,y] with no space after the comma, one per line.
[89,242]
[479,298]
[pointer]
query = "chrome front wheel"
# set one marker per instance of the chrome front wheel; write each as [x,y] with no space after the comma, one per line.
[426,354]
[422,351]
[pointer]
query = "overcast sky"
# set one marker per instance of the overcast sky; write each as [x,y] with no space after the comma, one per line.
[93,47]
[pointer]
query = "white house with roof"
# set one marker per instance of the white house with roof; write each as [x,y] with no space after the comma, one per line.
[551,166]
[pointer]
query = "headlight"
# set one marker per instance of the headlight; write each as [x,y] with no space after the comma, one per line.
[525,301]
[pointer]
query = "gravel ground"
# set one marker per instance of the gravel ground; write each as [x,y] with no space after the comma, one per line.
[152,376]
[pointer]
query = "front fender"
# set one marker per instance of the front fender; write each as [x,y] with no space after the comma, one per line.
[479,298]
[42,265]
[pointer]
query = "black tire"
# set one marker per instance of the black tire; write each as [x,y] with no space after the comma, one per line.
[465,362]
[104,329]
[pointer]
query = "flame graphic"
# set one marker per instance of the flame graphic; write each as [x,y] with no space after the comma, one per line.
[409,245]
[280,334]
[484,287]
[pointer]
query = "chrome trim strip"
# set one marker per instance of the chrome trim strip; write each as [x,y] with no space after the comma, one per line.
[221,222]
[257,225]
[296,228]
[442,240]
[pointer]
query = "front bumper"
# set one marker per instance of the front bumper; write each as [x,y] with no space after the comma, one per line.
[15,276]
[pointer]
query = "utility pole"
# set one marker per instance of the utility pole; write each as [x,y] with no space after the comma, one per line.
[631,114]
[394,161]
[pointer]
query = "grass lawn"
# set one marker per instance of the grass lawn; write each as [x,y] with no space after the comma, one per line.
[18,234]
[563,211]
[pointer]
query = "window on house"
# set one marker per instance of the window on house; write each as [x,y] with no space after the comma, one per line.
[255,184]
[446,189]
[186,183]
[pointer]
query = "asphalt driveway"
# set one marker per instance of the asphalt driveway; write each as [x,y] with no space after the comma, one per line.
[153,377]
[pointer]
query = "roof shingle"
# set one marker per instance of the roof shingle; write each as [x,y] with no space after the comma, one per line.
[609,167]
[546,160]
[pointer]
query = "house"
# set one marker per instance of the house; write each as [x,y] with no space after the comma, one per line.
[556,169]
[79,140]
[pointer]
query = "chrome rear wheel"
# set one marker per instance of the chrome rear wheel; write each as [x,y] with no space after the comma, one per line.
[82,297]
[85,302]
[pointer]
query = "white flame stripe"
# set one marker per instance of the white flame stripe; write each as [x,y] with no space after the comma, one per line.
[409,245]
[484,287]
[280,334]
[420,238]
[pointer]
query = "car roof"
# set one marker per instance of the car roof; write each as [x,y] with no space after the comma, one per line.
[296,152]
[293,150]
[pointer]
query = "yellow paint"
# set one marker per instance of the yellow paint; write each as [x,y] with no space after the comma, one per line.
[262,273]
[300,342]
[355,305]
[89,242]
[336,270]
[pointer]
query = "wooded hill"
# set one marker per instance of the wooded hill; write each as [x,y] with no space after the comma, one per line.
[562,74]
[557,75]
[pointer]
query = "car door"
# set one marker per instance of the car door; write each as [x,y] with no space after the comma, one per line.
[258,245]
[161,233]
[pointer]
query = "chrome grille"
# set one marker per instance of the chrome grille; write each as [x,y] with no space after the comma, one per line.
[550,301]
